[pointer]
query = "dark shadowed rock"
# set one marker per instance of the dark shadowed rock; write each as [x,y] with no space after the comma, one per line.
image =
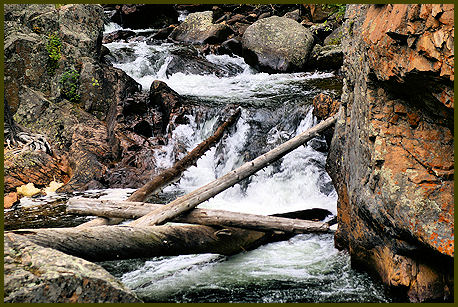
[198,28]
[34,274]
[143,16]
[163,33]
[277,44]
[326,58]
[117,35]
[232,46]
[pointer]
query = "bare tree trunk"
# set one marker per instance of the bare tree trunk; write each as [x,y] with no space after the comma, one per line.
[124,242]
[209,217]
[171,174]
[191,200]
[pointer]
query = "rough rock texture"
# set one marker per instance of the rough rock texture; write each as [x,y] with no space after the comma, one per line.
[79,131]
[392,154]
[33,166]
[198,28]
[34,274]
[277,44]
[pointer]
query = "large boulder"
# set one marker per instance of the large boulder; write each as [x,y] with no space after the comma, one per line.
[198,28]
[277,44]
[392,154]
[34,274]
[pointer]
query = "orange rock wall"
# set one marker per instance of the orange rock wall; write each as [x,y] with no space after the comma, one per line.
[392,154]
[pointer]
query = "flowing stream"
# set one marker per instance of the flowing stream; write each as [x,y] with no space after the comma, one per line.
[275,107]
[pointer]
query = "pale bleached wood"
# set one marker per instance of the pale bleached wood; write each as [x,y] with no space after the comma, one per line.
[209,217]
[191,200]
[123,242]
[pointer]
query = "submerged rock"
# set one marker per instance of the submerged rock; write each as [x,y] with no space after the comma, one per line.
[34,274]
[277,44]
[392,154]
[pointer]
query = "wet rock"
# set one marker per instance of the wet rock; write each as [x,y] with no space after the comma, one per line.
[167,100]
[198,28]
[143,16]
[117,36]
[277,44]
[163,33]
[187,61]
[392,154]
[232,46]
[34,274]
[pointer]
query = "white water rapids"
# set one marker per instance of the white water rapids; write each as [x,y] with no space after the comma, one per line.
[275,107]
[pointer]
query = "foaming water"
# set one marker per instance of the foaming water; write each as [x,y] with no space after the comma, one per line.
[306,268]
[146,63]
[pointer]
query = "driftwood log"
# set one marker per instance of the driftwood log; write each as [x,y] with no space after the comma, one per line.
[124,242]
[171,174]
[209,217]
[191,200]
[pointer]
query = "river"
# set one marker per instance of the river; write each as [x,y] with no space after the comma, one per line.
[275,107]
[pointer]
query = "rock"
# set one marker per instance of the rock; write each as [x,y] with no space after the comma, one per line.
[326,58]
[324,106]
[163,33]
[392,154]
[117,36]
[81,131]
[277,44]
[198,28]
[335,38]
[167,100]
[187,61]
[143,16]
[294,15]
[34,274]
[232,46]
[318,12]
[239,28]
[34,167]
[10,199]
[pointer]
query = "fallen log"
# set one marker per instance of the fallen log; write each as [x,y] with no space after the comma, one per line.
[209,217]
[124,242]
[191,200]
[171,174]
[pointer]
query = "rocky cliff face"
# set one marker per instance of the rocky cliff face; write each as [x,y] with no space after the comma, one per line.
[392,154]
